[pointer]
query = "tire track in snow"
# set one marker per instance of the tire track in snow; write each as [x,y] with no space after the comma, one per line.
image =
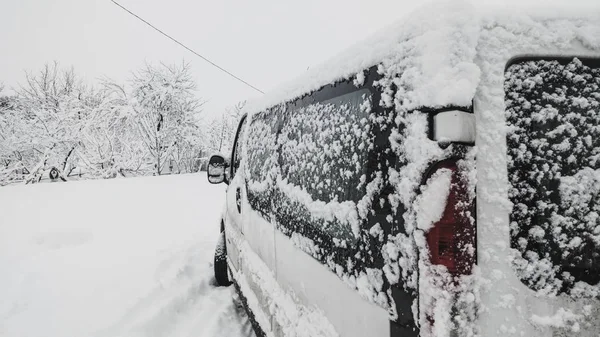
[184,302]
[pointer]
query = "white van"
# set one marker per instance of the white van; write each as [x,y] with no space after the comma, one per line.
[439,179]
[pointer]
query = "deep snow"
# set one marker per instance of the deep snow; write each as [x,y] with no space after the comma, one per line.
[121,257]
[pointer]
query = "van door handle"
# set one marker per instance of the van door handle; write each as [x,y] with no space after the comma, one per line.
[238,199]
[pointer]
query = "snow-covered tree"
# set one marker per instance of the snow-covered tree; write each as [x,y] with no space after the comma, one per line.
[111,142]
[167,114]
[9,157]
[222,130]
[150,126]
[45,119]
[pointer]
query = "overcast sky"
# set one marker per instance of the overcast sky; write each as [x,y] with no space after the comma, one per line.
[265,42]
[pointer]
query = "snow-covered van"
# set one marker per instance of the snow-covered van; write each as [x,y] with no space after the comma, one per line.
[439,179]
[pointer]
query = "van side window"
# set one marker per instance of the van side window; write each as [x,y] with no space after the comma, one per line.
[324,148]
[237,150]
[262,169]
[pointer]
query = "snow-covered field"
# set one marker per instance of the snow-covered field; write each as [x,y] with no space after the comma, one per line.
[121,257]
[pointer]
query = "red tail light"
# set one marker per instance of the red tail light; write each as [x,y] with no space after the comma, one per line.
[452,240]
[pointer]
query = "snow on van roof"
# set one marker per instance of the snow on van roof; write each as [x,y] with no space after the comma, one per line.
[432,50]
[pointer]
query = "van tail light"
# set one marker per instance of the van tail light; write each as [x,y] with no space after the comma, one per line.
[452,240]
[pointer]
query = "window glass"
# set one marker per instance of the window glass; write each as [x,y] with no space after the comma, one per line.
[553,115]
[237,152]
[323,158]
[262,168]
[325,145]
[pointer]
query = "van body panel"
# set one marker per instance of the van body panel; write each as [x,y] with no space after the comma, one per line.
[260,235]
[315,284]
[281,311]
[261,314]
[233,221]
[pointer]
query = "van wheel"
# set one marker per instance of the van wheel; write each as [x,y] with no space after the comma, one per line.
[221,273]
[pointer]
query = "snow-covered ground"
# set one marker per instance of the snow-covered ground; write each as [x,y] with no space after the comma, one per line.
[121,257]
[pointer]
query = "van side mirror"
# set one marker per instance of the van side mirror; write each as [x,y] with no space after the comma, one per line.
[217,167]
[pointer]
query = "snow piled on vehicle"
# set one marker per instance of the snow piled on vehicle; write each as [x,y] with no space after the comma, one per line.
[412,75]
[435,47]
[447,56]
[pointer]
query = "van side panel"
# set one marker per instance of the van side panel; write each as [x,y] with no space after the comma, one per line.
[278,310]
[315,285]
[246,282]
[233,222]
[260,235]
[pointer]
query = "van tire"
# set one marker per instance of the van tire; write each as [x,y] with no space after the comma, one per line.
[220,265]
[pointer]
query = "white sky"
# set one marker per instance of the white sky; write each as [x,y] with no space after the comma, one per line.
[265,42]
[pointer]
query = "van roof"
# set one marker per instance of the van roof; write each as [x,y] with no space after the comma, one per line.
[433,50]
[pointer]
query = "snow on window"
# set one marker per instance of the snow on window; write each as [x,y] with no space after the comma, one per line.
[324,150]
[238,154]
[309,172]
[262,168]
[553,111]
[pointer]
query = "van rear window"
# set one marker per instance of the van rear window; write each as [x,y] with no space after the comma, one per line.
[553,139]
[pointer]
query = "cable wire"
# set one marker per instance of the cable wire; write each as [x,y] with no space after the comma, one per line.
[186,47]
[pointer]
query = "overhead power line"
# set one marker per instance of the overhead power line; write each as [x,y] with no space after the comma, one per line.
[186,47]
